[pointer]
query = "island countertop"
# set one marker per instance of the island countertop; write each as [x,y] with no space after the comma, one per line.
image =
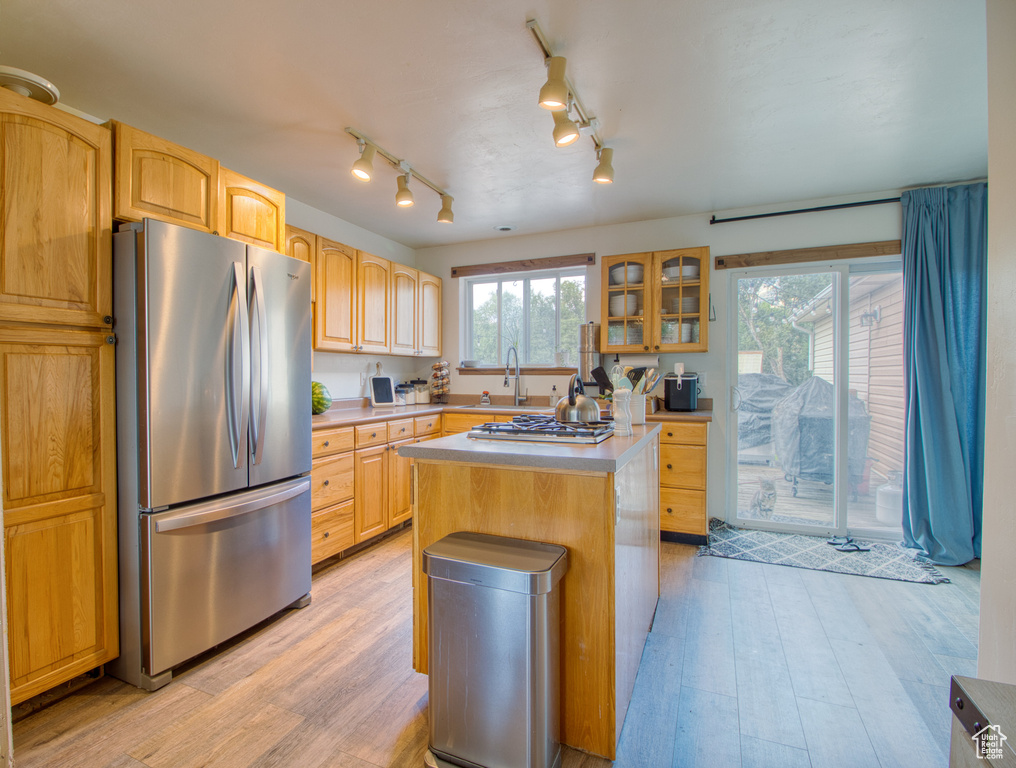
[609,456]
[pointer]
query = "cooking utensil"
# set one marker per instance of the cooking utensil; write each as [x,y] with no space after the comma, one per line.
[602,380]
[576,406]
[634,376]
[647,378]
[616,374]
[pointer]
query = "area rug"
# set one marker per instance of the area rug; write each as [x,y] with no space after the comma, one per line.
[882,561]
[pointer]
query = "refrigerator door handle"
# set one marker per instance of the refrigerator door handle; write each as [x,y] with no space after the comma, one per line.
[211,512]
[259,422]
[238,392]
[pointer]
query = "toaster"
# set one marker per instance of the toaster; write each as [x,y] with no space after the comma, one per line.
[680,392]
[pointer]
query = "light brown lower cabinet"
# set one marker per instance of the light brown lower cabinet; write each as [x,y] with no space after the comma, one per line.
[683,449]
[331,519]
[57,426]
[370,514]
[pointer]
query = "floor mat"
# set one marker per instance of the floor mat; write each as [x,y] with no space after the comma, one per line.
[881,561]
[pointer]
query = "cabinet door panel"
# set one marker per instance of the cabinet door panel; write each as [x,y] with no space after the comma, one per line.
[302,245]
[683,511]
[400,472]
[331,531]
[428,327]
[251,212]
[55,228]
[157,178]
[335,297]
[331,480]
[405,292]
[370,515]
[373,276]
[56,406]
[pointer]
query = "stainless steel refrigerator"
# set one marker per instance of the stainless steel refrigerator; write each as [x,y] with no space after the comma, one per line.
[213,442]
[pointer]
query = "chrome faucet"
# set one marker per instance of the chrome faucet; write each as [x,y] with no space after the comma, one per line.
[508,375]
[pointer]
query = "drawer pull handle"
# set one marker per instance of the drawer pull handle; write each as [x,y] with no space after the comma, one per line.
[670,466]
[326,534]
[327,443]
[373,434]
[325,482]
[670,434]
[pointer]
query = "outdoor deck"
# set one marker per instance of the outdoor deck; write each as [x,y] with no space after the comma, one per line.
[813,504]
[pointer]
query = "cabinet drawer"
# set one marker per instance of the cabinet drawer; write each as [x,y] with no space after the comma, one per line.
[683,466]
[683,511]
[331,480]
[463,422]
[331,531]
[400,429]
[371,434]
[325,442]
[427,425]
[684,432]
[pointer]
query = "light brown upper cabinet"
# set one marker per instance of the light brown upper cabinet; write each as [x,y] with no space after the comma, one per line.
[56,258]
[416,312]
[655,302]
[251,212]
[373,297]
[428,326]
[163,180]
[303,245]
[405,309]
[335,291]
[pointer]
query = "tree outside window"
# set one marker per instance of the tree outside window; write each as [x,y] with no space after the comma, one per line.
[539,314]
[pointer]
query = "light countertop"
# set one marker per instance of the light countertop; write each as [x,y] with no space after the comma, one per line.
[609,456]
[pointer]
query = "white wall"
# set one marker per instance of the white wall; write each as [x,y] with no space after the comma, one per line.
[345,375]
[997,651]
[872,223]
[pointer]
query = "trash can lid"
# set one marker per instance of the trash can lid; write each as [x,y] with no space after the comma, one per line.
[499,562]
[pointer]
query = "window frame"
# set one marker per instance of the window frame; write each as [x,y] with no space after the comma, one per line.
[524,347]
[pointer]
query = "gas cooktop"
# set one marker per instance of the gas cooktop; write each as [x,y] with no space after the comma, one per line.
[545,429]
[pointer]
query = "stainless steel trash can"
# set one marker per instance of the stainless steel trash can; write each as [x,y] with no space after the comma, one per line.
[494,639]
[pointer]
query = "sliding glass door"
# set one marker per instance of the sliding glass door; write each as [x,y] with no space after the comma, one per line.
[817,399]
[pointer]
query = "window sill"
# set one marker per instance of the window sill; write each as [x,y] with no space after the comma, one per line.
[527,371]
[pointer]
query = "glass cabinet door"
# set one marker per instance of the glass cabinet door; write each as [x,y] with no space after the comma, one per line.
[626,302]
[682,297]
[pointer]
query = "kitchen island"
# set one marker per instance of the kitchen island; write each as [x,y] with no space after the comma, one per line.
[601,502]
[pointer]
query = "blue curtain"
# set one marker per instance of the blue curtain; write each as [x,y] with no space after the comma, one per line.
[945,253]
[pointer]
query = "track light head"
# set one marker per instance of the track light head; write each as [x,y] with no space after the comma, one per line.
[604,173]
[565,131]
[445,215]
[554,93]
[363,168]
[404,197]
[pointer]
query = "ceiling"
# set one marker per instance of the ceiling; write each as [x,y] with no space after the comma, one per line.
[708,104]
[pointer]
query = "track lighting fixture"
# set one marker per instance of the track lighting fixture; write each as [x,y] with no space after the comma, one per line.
[554,93]
[558,94]
[445,215]
[363,169]
[404,197]
[604,173]
[565,131]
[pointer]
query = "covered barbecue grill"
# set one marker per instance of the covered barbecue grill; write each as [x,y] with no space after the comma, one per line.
[758,394]
[802,429]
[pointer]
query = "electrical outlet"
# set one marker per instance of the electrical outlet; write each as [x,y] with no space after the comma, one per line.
[363,378]
[701,379]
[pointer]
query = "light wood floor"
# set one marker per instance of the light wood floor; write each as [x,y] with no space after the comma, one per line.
[747,665]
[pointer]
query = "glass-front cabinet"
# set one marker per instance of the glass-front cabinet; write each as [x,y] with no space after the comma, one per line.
[656,302]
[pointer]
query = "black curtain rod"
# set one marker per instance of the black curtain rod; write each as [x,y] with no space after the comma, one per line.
[715,220]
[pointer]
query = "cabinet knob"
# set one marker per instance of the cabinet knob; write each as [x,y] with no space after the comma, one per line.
[327,443]
[670,466]
[657,347]
[373,434]
[326,534]
[108,320]
[670,434]
[325,482]
[669,511]
[645,349]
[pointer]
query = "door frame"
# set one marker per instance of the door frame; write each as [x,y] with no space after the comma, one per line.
[842,271]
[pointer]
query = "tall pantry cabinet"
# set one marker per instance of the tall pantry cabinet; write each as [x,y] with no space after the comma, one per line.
[57,419]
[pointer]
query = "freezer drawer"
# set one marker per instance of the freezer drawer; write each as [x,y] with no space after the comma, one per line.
[215,569]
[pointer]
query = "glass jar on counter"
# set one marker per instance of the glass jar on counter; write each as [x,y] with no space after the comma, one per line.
[422,389]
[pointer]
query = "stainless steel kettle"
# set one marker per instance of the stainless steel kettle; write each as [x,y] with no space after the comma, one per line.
[577,407]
